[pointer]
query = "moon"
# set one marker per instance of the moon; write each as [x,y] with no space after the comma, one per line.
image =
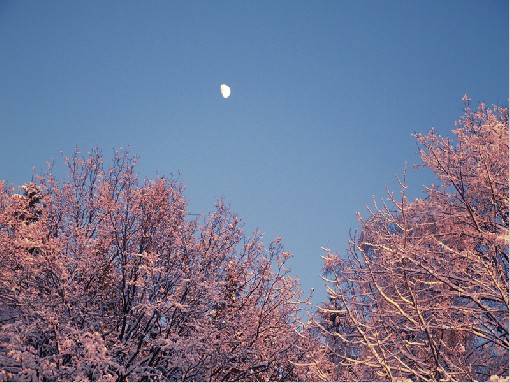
[225,90]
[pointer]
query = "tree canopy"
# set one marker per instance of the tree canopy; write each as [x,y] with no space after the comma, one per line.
[423,291]
[108,278]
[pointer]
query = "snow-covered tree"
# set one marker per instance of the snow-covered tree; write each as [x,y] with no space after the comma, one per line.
[107,278]
[423,291]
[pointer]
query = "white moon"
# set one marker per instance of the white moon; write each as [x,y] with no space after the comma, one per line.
[225,90]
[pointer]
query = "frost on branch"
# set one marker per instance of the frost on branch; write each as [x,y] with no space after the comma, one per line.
[105,277]
[423,292]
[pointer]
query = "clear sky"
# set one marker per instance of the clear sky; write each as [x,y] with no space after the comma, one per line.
[325,97]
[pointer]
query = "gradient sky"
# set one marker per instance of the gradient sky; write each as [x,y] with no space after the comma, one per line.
[325,97]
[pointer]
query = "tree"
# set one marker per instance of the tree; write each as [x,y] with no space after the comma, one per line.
[423,291]
[107,278]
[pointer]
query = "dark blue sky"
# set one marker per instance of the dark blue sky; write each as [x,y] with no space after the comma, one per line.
[325,96]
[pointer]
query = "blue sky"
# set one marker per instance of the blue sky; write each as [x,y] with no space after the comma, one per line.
[325,97]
